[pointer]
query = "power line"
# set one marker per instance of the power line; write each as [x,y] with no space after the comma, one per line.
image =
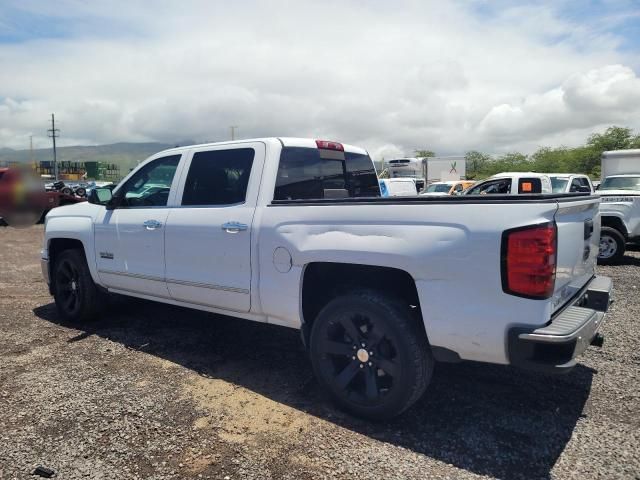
[54,133]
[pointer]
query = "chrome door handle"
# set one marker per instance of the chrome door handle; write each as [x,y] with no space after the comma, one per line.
[152,224]
[234,227]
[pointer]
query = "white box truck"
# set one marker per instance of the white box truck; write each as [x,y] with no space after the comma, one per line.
[444,169]
[620,203]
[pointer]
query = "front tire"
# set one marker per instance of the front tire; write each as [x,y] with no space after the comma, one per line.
[612,246]
[371,354]
[75,293]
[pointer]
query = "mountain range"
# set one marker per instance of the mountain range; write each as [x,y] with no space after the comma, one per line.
[125,155]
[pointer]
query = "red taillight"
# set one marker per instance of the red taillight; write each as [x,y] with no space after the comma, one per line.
[529,261]
[327,145]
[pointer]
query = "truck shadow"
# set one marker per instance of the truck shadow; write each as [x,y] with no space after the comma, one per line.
[490,420]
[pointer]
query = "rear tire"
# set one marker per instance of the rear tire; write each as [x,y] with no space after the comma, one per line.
[371,354]
[75,293]
[612,246]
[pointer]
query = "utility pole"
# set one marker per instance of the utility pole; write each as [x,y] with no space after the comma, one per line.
[233,131]
[31,148]
[53,132]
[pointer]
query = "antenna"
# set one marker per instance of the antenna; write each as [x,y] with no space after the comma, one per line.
[54,133]
[233,131]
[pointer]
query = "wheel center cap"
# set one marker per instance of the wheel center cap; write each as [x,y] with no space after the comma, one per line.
[363,355]
[73,285]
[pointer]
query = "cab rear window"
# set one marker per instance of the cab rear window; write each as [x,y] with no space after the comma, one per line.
[304,174]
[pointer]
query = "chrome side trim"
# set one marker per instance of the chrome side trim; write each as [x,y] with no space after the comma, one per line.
[133,275]
[208,285]
[182,303]
[178,282]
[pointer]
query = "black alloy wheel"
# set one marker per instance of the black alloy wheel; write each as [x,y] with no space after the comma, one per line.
[371,354]
[75,293]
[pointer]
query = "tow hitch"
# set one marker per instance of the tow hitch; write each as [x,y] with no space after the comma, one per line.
[597,340]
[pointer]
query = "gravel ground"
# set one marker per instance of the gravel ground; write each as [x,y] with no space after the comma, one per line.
[157,392]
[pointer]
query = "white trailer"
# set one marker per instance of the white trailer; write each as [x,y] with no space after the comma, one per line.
[444,169]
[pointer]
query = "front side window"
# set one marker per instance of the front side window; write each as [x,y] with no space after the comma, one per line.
[149,186]
[218,177]
[575,185]
[304,174]
[502,186]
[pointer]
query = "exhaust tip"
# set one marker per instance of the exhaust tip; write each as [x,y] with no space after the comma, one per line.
[598,340]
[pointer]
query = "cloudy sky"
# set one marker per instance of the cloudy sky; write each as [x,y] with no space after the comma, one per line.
[494,76]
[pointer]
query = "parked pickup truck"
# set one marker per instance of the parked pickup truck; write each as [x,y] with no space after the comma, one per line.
[294,232]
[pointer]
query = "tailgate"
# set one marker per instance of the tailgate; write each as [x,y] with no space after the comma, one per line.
[578,222]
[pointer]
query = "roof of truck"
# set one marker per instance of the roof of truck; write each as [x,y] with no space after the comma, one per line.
[519,174]
[285,141]
[567,175]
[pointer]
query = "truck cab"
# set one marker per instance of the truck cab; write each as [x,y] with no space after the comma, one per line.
[512,183]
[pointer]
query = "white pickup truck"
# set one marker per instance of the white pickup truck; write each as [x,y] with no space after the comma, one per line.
[380,288]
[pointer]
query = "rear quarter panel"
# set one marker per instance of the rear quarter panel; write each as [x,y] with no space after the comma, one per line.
[452,251]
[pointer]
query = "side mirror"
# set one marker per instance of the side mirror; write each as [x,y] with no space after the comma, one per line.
[101,196]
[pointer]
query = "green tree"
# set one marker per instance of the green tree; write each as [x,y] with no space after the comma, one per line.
[424,153]
[614,138]
[476,162]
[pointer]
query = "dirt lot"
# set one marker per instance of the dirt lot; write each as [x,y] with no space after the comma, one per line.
[153,392]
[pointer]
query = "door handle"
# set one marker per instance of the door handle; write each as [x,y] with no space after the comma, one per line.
[152,224]
[234,227]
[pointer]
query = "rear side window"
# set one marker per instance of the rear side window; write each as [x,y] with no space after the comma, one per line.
[218,177]
[303,175]
[529,185]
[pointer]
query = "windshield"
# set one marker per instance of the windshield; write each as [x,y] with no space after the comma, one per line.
[438,187]
[559,185]
[621,183]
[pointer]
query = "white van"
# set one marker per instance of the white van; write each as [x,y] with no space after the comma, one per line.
[398,187]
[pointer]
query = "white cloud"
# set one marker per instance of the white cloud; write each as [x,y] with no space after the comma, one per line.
[602,96]
[391,77]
